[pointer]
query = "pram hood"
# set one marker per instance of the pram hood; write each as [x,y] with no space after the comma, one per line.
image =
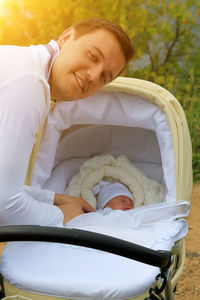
[125,103]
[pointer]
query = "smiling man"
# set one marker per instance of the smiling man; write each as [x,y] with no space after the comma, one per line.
[86,62]
[86,56]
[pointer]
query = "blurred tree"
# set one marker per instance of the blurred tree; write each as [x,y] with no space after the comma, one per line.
[29,21]
[165,37]
[165,34]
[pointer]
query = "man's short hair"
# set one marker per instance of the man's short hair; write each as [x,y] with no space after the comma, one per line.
[89,25]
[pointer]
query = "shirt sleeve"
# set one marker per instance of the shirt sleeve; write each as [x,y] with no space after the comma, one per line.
[41,195]
[23,108]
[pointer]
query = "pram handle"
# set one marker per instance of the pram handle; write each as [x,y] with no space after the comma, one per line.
[88,239]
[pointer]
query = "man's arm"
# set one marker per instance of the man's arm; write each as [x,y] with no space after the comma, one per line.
[70,206]
[22,110]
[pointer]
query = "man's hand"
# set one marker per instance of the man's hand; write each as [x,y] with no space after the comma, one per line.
[71,206]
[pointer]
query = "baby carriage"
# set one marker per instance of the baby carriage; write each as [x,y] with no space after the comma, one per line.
[145,123]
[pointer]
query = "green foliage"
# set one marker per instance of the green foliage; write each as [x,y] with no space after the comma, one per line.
[165,34]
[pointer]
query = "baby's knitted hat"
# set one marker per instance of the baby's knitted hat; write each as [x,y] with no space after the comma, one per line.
[106,191]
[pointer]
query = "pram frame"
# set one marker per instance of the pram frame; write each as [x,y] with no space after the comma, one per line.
[183,170]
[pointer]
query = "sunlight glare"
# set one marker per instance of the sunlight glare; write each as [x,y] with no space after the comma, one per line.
[2,3]
[2,8]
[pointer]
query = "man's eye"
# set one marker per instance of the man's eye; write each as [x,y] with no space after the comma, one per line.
[93,56]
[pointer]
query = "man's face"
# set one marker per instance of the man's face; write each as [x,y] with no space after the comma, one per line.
[85,64]
[120,202]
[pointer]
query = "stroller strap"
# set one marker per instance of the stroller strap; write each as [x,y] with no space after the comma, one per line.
[35,149]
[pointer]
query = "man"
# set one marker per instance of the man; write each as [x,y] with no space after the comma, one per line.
[86,56]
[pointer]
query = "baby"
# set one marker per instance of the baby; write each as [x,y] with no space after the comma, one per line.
[113,195]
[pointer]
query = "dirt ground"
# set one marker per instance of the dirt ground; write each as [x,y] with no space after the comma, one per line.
[189,283]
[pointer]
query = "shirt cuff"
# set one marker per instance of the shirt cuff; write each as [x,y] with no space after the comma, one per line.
[39,194]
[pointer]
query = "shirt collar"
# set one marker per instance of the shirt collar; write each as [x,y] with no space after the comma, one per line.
[53,50]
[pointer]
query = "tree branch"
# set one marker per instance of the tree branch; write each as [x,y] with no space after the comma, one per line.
[151,58]
[170,48]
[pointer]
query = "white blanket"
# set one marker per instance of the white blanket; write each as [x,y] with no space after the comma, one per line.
[148,226]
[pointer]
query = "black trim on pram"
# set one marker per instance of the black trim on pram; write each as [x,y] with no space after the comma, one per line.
[161,259]
[88,239]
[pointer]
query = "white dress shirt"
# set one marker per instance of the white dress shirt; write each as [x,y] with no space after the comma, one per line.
[24,104]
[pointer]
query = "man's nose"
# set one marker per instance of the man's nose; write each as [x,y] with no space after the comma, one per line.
[94,73]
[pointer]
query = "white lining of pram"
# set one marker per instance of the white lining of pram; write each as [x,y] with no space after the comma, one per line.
[138,129]
[129,121]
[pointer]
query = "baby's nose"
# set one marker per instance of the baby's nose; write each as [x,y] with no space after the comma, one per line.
[129,203]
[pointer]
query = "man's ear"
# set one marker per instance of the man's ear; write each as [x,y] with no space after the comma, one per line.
[67,35]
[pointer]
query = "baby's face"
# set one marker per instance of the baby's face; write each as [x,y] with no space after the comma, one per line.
[120,202]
